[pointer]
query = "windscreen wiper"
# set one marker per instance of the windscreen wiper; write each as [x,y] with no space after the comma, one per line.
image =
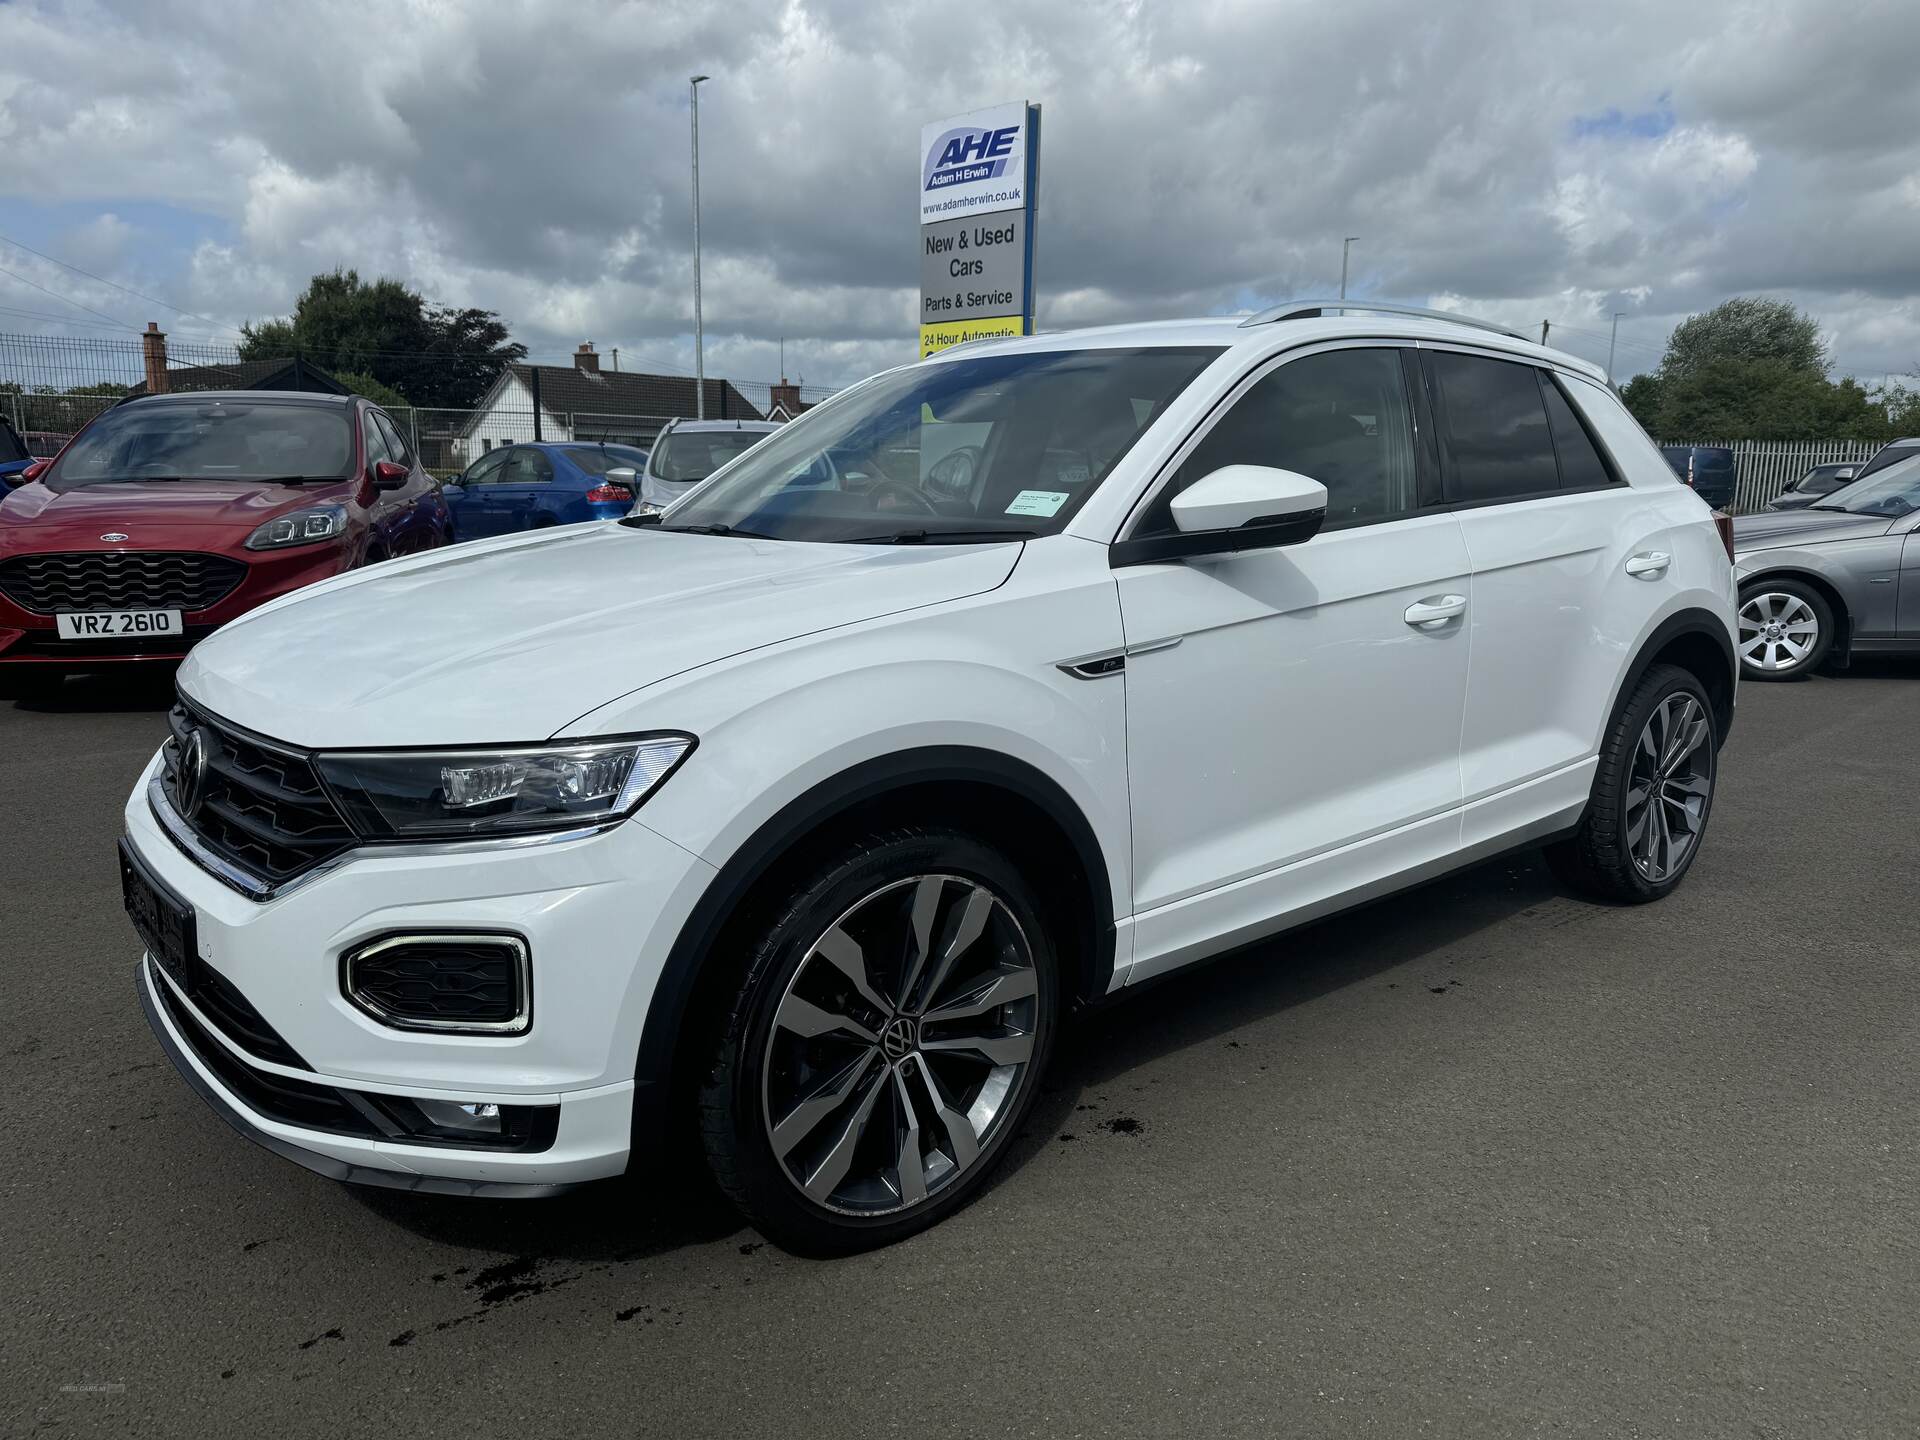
[732,530]
[1831,509]
[943,537]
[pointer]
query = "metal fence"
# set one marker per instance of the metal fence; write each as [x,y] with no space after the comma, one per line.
[51,385]
[1764,468]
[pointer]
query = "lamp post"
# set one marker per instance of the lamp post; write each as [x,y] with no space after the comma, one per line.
[699,336]
[1611,339]
[1345,245]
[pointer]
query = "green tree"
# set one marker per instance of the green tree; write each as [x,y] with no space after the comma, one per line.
[1763,400]
[1641,395]
[1746,328]
[381,394]
[380,329]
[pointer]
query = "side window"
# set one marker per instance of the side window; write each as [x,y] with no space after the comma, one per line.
[1581,467]
[486,470]
[1340,417]
[526,466]
[396,442]
[376,443]
[1496,428]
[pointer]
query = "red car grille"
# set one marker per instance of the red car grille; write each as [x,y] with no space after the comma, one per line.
[119,580]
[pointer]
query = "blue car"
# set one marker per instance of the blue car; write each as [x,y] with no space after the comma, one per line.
[528,487]
[14,458]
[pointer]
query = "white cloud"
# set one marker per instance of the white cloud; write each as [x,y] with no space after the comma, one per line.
[532,158]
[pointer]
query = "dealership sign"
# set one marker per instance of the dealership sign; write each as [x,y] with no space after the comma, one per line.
[977,199]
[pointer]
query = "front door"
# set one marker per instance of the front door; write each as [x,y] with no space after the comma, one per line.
[467,498]
[1293,714]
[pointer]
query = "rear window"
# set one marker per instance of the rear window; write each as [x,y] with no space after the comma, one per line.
[696,454]
[597,460]
[214,440]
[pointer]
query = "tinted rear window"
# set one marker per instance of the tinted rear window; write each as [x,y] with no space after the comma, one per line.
[1581,467]
[1496,426]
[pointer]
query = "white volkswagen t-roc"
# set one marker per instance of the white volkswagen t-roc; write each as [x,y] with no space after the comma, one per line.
[793,822]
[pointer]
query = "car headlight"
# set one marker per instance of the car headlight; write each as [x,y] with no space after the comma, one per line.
[501,791]
[300,527]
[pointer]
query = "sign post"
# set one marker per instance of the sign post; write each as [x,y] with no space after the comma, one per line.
[979,191]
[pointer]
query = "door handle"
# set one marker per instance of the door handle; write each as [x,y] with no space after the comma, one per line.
[1649,564]
[1436,611]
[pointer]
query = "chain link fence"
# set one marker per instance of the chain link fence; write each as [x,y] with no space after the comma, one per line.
[52,385]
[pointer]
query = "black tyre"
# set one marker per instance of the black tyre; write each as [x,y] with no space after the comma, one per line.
[1786,630]
[888,1038]
[1651,796]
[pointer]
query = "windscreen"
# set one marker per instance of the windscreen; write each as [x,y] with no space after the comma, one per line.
[215,440]
[1006,444]
[1894,491]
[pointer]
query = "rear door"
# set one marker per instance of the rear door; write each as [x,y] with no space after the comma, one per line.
[525,485]
[1566,561]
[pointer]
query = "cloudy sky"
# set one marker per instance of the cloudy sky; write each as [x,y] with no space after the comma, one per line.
[1521,160]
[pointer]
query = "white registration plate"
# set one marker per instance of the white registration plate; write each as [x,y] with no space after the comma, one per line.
[118,624]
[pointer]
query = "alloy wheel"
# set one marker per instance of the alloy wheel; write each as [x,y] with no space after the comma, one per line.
[900,1045]
[1777,631]
[1669,786]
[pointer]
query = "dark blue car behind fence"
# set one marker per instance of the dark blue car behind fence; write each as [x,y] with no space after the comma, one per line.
[529,487]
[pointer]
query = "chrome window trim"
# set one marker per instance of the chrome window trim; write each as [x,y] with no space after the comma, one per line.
[522,1020]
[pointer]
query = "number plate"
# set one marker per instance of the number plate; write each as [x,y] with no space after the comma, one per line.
[164,923]
[118,624]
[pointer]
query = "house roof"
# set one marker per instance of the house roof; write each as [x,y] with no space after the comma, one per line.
[567,389]
[249,375]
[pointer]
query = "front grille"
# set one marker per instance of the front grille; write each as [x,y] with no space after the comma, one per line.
[119,580]
[261,807]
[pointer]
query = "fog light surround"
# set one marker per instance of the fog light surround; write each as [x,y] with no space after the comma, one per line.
[467,982]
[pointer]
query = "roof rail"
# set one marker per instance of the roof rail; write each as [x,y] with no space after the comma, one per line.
[1310,309]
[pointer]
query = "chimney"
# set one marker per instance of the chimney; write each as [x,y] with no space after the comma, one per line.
[585,359]
[154,344]
[787,395]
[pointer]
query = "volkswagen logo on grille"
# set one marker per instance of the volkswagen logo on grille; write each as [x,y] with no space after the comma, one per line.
[191,786]
[113,536]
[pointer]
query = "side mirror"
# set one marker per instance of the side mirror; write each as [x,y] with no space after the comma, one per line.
[1237,507]
[1265,505]
[32,473]
[623,475]
[389,476]
[1845,473]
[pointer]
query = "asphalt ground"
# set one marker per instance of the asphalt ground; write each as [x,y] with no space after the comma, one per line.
[1480,1160]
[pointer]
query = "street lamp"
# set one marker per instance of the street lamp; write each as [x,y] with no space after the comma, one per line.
[1345,246]
[1611,339]
[699,336]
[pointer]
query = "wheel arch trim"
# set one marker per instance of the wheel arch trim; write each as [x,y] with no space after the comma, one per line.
[823,803]
[1679,625]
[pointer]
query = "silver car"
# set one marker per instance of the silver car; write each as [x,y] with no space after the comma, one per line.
[688,451]
[1837,579]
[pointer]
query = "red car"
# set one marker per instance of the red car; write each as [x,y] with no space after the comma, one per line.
[169,515]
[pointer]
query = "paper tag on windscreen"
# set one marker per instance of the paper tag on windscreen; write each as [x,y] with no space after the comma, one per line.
[1037,502]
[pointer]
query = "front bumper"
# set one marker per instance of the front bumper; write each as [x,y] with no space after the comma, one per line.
[599,914]
[30,638]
